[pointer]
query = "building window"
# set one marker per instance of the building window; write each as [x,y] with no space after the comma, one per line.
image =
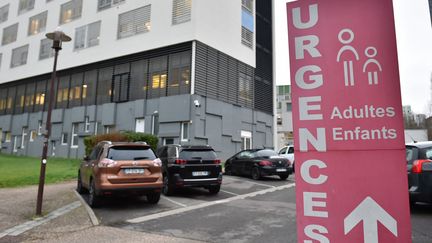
[121,88]
[155,124]
[167,141]
[46,50]
[134,22]
[10,34]
[87,36]
[109,129]
[37,23]
[40,95]
[87,124]
[140,125]
[179,73]
[8,137]
[25,5]
[158,77]
[105,4]
[19,56]
[33,135]
[4,13]
[279,105]
[23,137]
[39,130]
[15,144]
[289,106]
[185,131]
[245,87]
[70,11]
[247,32]
[1,56]
[181,12]
[74,135]
[246,139]
[64,139]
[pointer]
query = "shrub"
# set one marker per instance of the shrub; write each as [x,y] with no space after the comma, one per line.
[91,141]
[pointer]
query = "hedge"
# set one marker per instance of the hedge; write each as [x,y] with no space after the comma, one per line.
[91,141]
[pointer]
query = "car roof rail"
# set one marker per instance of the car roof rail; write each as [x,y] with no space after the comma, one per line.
[106,141]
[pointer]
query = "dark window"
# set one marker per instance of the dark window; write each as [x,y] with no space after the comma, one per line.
[63,92]
[179,73]
[172,151]
[89,88]
[10,100]
[197,154]
[121,87]
[130,153]
[29,97]
[3,100]
[289,106]
[54,95]
[104,90]
[291,150]
[20,99]
[95,153]
[139,80]
[76,90]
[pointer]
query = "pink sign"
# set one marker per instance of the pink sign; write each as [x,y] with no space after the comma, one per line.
[350,156]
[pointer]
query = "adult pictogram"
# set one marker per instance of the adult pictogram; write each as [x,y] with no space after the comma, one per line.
[348,64]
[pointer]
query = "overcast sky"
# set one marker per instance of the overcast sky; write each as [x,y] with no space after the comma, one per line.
[414,40]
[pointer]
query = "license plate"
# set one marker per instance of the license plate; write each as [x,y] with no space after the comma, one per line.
[281,170]
[200,173]
[133,171]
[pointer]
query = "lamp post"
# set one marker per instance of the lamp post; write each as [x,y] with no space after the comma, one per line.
[57,37]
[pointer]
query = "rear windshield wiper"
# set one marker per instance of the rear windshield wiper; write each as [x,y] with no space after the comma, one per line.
[140,158]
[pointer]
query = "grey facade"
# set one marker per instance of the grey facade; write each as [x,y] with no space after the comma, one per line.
[229,105]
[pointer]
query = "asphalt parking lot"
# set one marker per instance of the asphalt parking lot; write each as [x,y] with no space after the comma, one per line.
[244,210]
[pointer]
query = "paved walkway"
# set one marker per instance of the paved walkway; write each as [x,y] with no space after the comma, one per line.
[66,219]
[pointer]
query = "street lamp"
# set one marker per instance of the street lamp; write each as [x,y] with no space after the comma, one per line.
[58,37]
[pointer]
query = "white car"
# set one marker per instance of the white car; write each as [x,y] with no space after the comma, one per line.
[288,152]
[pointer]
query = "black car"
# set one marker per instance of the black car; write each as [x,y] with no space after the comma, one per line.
[190,166]
[419,166]
[257,163]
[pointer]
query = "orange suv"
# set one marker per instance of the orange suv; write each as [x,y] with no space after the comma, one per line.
[120,168]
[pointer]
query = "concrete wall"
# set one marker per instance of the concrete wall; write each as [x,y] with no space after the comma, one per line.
[214,122]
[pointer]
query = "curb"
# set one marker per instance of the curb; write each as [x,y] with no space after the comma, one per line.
[90,212]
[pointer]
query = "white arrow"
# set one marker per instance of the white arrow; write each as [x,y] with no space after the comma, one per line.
[370,212]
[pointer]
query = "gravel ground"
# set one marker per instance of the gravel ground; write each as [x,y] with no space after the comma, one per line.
[18,205]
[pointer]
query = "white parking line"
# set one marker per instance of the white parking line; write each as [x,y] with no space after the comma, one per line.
[206,204]
[175,202]
[232,193]
[252,182]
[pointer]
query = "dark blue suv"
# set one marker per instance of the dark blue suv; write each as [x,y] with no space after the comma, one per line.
[419,166]
[190,166]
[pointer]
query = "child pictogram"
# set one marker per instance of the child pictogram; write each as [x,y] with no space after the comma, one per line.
[348,64]
[371,52]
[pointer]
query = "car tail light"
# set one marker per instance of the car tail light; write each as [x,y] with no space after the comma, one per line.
[180,161]
[107,163]
[217,161]
[265,163]
[157,162]
[417,165]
